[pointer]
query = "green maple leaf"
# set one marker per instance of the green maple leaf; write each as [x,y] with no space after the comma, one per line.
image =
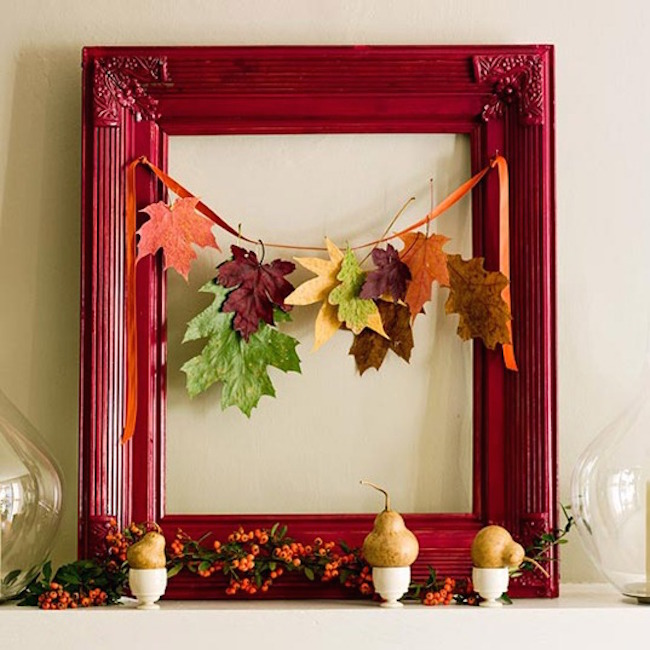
[241,366]
[357,313]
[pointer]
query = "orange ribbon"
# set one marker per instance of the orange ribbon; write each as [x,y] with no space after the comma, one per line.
[131,393]
[504,252]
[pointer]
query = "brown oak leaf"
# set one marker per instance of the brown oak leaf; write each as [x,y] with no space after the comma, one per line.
[475,295]
[259,288]
[175,229]
[369,349]
[427,262]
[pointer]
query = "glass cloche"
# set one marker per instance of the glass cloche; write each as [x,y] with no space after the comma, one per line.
[30,501]
[611,498]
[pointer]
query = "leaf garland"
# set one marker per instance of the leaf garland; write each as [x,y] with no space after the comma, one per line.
[378,306]
[259,288]
[357,313]
[174,230]
[369,349]
[318,289]
[475,294]
[239,364]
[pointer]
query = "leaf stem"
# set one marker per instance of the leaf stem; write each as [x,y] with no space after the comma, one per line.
[388,227]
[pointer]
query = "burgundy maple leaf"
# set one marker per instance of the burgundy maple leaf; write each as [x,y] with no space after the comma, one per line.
[258,289]
[390,276]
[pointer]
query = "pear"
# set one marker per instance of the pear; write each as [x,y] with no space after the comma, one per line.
[494,548]
[391,543]
[148,553]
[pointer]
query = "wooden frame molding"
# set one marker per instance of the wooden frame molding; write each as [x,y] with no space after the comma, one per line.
[501,97]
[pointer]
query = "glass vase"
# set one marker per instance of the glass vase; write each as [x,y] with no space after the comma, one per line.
[611,498]
[30,501]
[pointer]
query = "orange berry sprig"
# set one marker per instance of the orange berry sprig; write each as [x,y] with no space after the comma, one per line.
[88,583]
[59,598]
[435,591]
[442,596]
[252,560]
[117,541]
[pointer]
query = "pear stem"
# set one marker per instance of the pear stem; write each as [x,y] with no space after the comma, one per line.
[380,489]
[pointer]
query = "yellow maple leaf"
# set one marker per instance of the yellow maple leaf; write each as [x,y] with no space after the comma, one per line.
[318,289]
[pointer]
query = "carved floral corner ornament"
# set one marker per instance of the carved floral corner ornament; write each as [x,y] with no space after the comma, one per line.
[121,82]
[515,78]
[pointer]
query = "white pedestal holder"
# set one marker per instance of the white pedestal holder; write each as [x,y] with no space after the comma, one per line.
[490,584]
[148,585]
[391,583]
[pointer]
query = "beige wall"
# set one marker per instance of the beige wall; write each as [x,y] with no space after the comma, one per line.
[409,426]
[602,137]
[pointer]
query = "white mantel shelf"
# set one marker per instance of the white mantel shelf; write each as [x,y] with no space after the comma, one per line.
[585,616]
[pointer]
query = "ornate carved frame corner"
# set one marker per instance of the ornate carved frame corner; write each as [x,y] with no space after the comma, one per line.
[501,97]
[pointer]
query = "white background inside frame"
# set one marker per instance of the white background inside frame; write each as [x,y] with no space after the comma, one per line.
[408,426]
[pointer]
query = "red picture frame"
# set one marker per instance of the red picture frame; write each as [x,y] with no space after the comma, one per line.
[500,96]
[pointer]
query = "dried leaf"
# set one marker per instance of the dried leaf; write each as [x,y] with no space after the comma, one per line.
[355,312]
[318,289]
[390,276]
[240,365]
[174,230]
[427,262]
[369,348]
[475,294]
[260,288]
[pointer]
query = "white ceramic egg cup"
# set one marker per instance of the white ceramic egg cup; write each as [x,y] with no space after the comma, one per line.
[490,584]
[148,585]
[391,583]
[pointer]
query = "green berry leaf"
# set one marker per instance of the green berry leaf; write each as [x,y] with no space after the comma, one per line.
[174,569]
[240,365]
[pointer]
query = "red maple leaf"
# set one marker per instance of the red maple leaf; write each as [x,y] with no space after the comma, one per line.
[259,288]
[390,276]
[174,230]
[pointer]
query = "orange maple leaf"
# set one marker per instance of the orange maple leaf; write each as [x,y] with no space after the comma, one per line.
[174,230]
[427,263]
[475,294]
